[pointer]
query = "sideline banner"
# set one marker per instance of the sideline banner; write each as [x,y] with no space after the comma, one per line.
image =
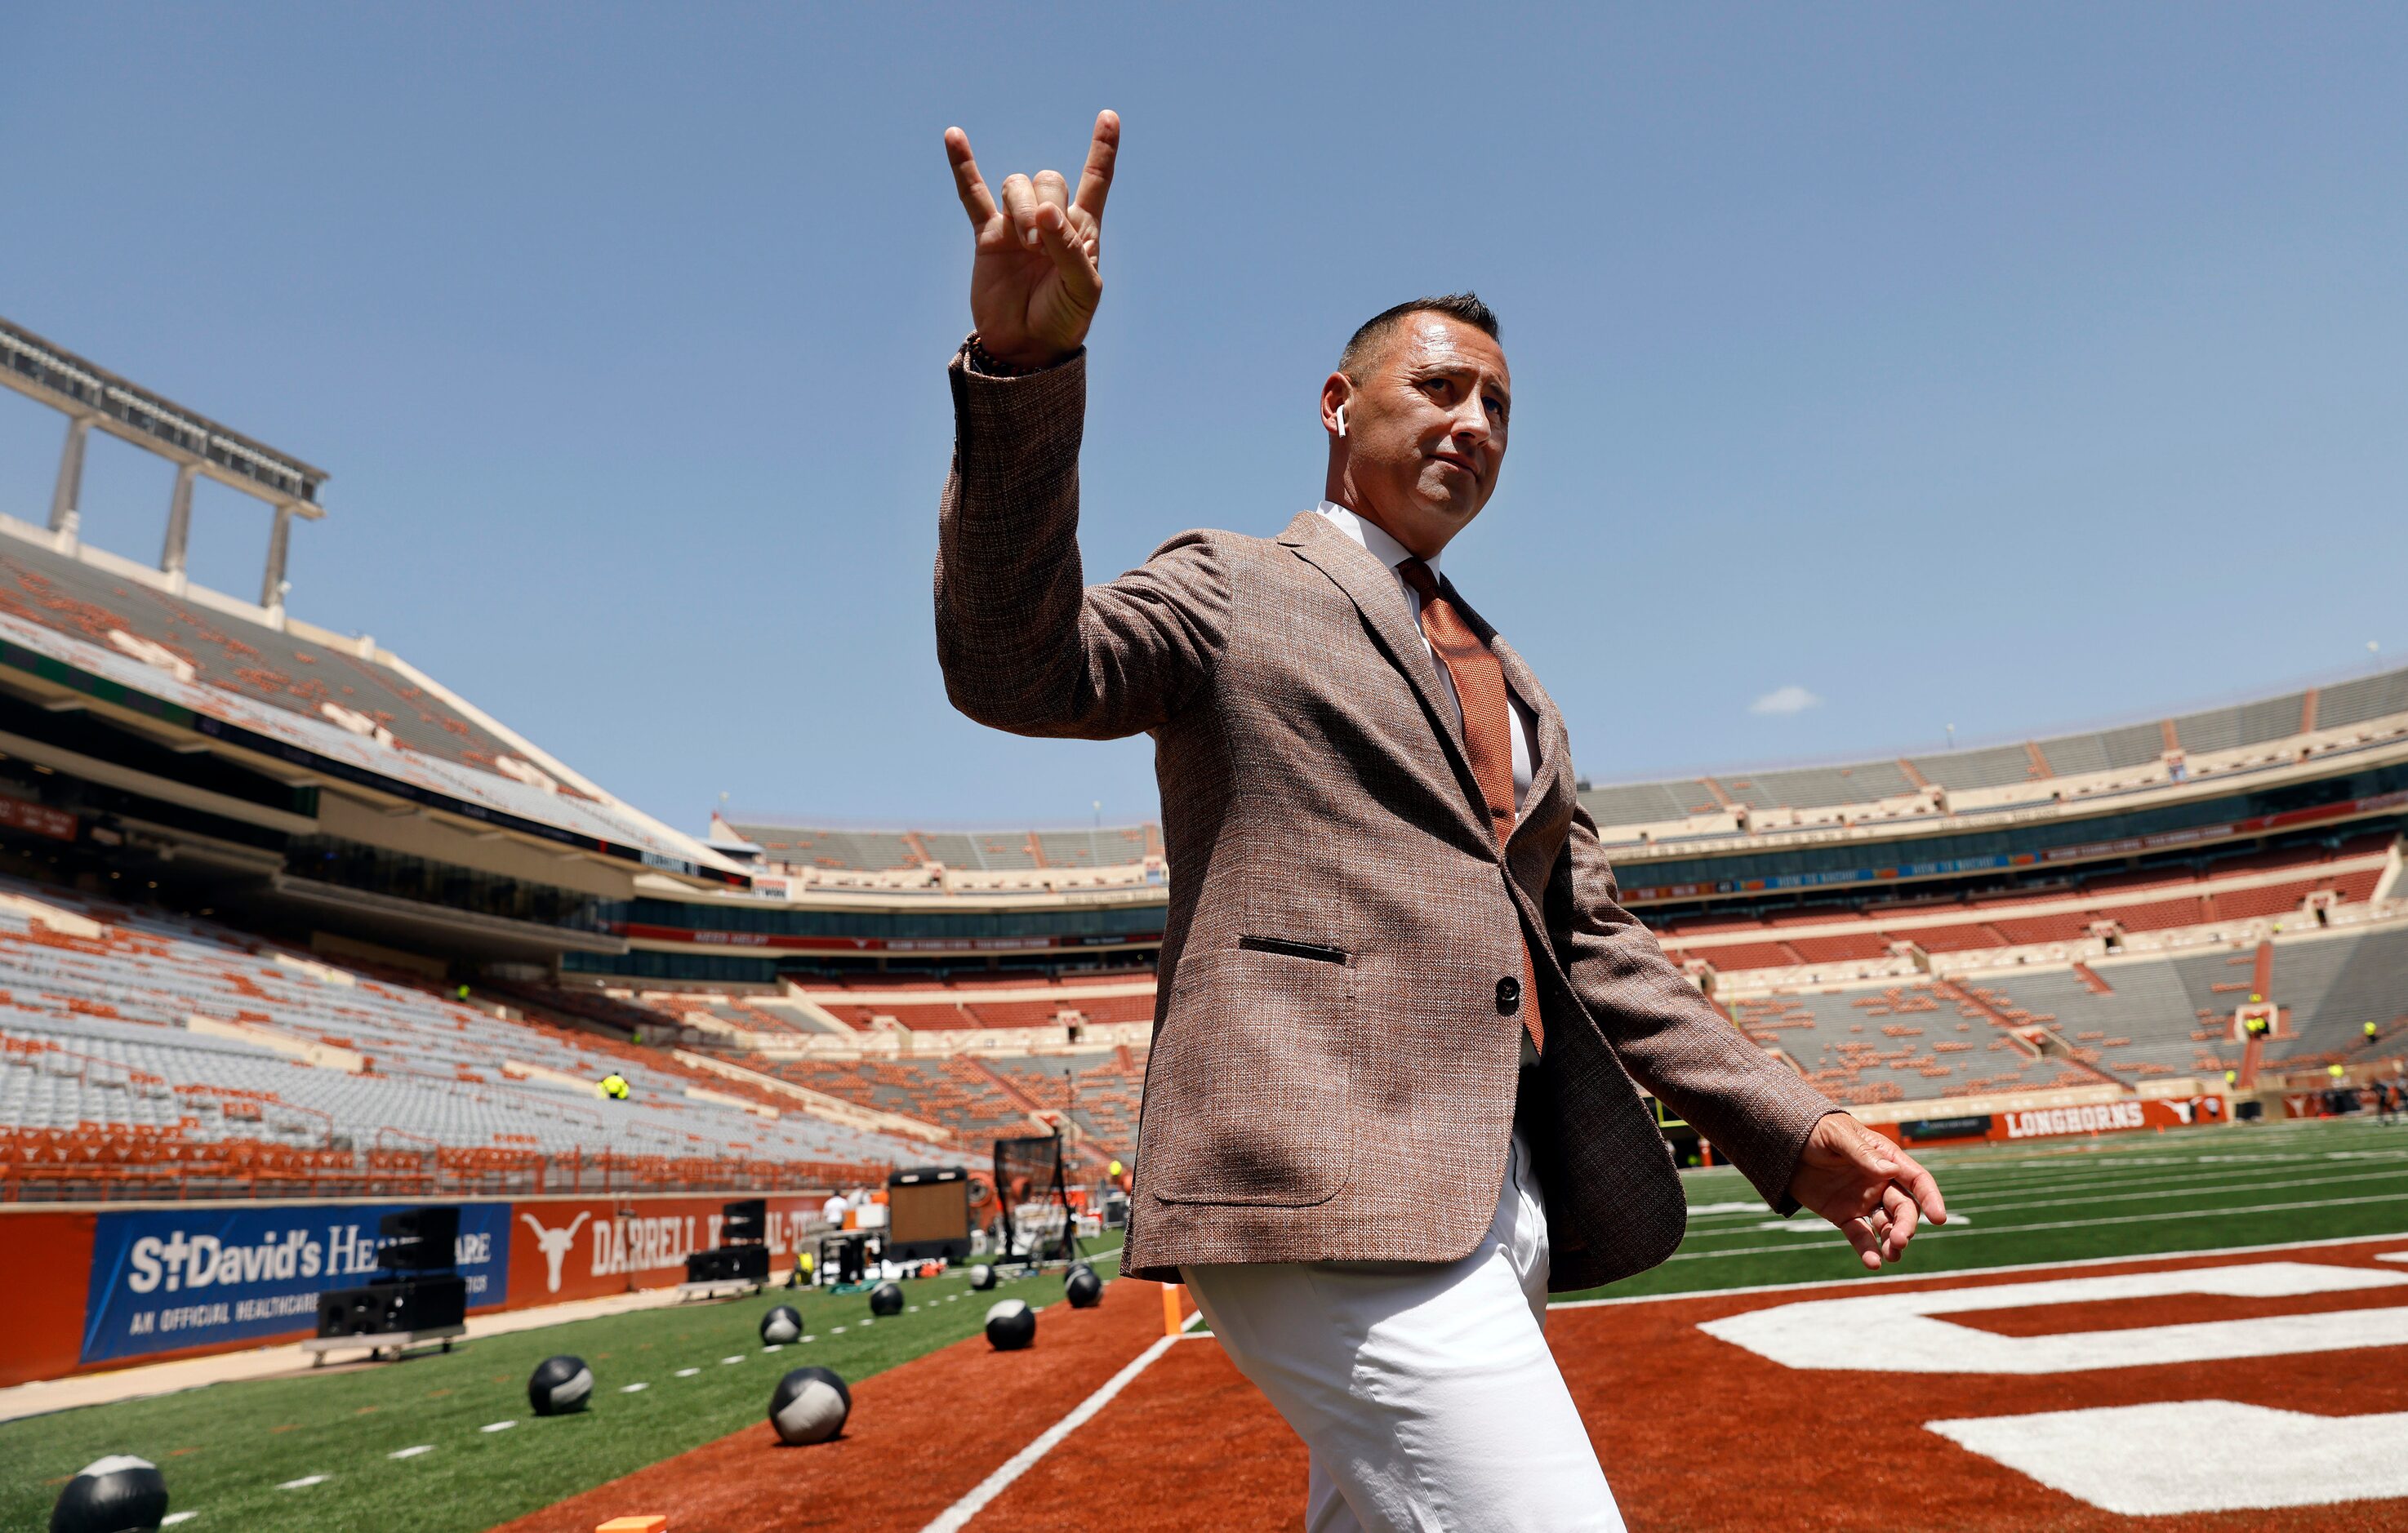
[165,1279]
[586,1247]
[2125,1116]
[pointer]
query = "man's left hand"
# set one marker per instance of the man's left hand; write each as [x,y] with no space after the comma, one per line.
[1871,1189]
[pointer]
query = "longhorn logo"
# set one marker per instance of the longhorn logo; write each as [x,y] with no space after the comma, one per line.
[554,1244]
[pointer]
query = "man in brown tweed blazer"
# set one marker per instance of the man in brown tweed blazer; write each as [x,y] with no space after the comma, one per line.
[1403,1025]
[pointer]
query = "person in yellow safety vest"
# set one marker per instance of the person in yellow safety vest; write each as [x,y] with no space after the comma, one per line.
[2232,1078]
[614,1086]
[801,1276]
[2372,1032]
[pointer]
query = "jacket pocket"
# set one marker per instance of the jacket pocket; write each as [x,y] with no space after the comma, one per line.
[1250,1087]
[1318,953]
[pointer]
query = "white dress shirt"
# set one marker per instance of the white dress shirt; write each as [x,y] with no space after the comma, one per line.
[1375,540]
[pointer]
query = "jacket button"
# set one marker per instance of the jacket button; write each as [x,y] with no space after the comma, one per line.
[1508,995]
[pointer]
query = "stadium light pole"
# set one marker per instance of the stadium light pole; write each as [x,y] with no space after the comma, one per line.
[68,495]
[180,521]
[280,539]
[90,395]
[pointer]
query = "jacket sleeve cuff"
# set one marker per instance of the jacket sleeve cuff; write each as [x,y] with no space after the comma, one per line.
[999,415]
[1778,1195]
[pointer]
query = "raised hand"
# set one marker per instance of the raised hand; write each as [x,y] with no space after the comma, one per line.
[1035,279]
[1869,1187]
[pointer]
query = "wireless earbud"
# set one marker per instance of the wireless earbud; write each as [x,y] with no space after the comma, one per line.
[1342,420]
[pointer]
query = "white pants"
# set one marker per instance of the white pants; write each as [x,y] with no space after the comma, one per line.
[1426,1392]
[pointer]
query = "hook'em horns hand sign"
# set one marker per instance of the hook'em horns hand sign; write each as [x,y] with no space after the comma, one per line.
[1035,277]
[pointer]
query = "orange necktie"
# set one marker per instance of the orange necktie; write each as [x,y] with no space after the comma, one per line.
[1488,725]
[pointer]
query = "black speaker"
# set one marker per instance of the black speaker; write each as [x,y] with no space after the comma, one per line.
[730,1264]
[418,1239]
[744,1222]
[410,1304]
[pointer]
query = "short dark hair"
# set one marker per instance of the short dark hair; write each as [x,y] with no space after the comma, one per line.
[1366,341]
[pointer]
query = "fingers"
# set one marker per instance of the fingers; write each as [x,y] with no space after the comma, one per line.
[1922,1187]
[1898,1217]
[1070,256]
[1050,187]
[1096,181]
[968,183]
[1860,1235]
[1020,206]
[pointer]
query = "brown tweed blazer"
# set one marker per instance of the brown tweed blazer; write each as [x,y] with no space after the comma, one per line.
[1337,1045]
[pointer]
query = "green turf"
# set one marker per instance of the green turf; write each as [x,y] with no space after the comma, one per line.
[2129,1196]
[226,1449]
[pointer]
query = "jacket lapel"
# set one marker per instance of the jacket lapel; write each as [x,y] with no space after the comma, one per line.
[1548,738]
[1373,589]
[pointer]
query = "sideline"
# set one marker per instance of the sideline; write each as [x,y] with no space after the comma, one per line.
[1954,1273]
[40,1396]
[147,1381]
[955,1517]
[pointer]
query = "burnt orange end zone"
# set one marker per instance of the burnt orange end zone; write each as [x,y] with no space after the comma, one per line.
[1694,1433]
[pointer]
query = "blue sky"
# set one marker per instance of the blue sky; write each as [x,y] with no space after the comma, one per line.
[2001,366]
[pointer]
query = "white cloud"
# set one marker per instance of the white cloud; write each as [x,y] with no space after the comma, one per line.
[1784,701]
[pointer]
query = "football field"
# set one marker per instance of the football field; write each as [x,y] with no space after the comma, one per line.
[2081,1257]
[2134,1195]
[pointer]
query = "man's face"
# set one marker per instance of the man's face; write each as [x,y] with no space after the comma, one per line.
[1426,430]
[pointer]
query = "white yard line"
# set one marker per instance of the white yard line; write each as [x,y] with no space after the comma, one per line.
[1929,1234]
[957,1516]
[1974,1271]
[1970,1209]
[2124,1196]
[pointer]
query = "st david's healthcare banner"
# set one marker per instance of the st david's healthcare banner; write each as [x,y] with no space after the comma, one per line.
[165,1279]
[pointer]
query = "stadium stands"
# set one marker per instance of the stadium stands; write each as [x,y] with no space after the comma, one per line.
[2069,920]
[1098,1090]
[217,648]
[955,1092]
[1900,1043]
[801,848]
[2242,737]
[2125,1020]
[983,1001]
[131,1026]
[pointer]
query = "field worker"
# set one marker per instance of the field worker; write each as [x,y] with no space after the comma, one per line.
[2373,1034]
[801,1276]
[1402,1022]
[614,1086]
[835,1208]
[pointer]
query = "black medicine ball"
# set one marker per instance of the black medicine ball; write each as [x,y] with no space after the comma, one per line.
[810,1405]
[1082,1288]
[559,1385]
[781,1326]
[118,1493]
[981,1277]
[1011,1325]
[886,1300]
